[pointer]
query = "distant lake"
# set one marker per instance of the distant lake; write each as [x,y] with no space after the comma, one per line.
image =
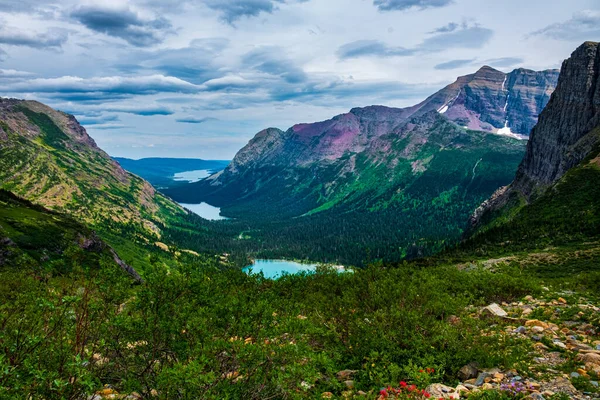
[274,268]
[204,210]
[191,176]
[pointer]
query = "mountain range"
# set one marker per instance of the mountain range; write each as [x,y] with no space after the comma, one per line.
[422,169]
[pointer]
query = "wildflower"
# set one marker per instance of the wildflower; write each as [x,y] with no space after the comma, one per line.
[426,394]
[383,393]
[403,384]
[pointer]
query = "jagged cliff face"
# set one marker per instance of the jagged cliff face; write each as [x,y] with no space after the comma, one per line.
[564,135]
[493,101]
[47,157]
[568,131]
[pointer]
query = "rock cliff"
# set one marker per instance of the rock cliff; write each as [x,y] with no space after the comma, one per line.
[568,131]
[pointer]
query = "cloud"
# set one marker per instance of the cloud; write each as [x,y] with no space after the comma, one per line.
[102,120]
[391,5]
[143,110]
[192,120]
[584,25]
[454,64]
[465,36]
[124,24]
[119,85]
[468,37]
[233,10]
[195,63]
[272,61]
[505,62]
[51,39]
[14,74]
[3,55]
[377,48]
[451,27]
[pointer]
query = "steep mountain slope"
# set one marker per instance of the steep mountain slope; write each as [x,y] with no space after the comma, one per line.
[563,148]
[47,242]
[48,158]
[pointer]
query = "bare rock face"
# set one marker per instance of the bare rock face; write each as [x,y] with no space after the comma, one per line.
[563,136]
[567,131]
[490,100]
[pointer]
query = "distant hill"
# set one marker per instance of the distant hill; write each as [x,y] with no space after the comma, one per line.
[159,171]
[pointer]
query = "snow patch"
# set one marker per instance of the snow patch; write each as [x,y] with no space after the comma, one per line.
[506,131]
[443,109]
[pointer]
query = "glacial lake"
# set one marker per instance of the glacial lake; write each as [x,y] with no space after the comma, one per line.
[204,210]
[275,268]
[191,176]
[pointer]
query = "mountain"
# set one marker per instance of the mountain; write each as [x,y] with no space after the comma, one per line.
[160,171]
[490,100]
[417,168]
[49,242]
[47,158]
[562,155]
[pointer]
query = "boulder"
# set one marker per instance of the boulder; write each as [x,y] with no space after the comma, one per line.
[495,310]
[439,391]
[467,372]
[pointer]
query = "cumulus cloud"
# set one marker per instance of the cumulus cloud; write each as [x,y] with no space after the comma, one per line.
[584,25]
[233,10]
[52,39]
[454,64]
[124,24]
[377,48]
[390,5]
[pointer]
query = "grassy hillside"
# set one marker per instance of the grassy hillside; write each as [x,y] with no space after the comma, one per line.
[48,158]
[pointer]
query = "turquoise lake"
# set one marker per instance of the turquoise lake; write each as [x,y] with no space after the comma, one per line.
[275,268]
[204,210]
[191,176]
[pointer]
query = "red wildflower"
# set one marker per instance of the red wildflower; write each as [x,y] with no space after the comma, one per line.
[403,384]
[426,394]
[383,393]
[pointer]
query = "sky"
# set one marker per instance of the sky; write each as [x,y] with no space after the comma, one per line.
[199,78]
